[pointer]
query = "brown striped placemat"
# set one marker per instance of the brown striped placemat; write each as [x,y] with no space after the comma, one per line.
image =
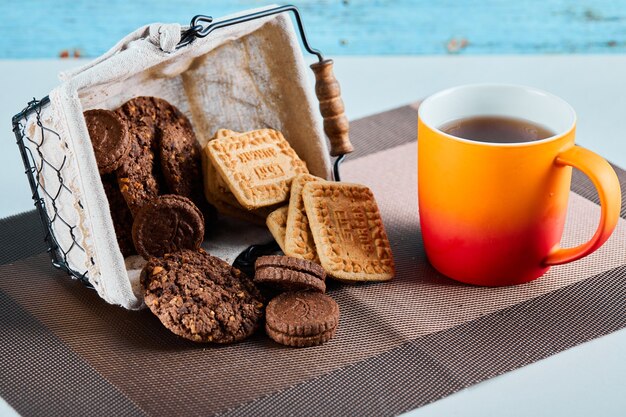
[400,344]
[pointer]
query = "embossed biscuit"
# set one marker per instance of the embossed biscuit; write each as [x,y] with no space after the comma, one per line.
[298,238]
[224,194]
[232,209]
[211,176]
[300,341]
[289,274]
[167,224]
[302,314]
[258,166]
[291,263]
[217,192]
[276,223]
[217,186]
[348,231]
[109,137]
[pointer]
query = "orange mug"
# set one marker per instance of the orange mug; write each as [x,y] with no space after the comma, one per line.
[493,213]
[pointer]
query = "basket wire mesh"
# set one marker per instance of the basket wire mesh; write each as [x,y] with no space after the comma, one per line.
[34,163]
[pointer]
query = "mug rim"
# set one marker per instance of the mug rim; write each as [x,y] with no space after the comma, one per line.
[454,89]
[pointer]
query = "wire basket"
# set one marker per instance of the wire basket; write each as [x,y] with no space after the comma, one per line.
[36,136]
[34,163]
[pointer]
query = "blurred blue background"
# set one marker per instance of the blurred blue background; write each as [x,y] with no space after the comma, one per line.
[48,29]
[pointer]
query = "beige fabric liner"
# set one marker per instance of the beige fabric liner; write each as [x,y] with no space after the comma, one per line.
[246,76]
[375,318]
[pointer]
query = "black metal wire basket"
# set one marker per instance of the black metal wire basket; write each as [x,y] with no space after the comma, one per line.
[45,196]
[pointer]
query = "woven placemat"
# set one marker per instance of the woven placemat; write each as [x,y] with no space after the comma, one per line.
[400,345]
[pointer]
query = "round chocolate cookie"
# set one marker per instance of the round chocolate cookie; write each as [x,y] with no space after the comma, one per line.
[300,341]
[302,318]
[122,218]
[289,273]
[182,167]
[136,177]
[201,297]
[109,137]
[139,110]
[292,263]
[288,280]
[170,156]
[154,112]
[167,224]
[180,160]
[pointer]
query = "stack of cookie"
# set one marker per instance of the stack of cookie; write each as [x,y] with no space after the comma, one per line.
[337,225]
[257,176]
[302,315]
[246,175]
[149,161]
[202,298]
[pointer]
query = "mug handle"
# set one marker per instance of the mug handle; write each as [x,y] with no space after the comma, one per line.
[605,180]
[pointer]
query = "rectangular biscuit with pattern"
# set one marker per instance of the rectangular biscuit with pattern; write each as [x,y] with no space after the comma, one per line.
[348,231]
[299,241]
[258,166]
[211,176]
[276,222]
[219,186]
[216,191]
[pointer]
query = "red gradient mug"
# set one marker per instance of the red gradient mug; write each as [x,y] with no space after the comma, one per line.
[493,213]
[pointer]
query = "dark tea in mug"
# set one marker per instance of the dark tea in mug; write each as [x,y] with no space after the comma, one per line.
[496,129]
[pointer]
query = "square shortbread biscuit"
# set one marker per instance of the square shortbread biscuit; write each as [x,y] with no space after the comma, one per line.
[299,241]
[277,221]
[217,192]
[348,231]
[212,179]
[258,166]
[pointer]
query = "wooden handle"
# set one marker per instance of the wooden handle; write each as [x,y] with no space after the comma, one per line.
[328,93]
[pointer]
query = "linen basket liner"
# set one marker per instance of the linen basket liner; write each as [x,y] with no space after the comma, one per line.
[242,77]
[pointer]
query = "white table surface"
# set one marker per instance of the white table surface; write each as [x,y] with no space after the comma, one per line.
[588,380]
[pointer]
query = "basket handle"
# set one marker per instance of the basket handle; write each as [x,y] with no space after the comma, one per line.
[328,91]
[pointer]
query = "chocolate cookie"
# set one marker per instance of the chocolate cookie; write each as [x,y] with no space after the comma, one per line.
[153,112]
[139,110]
[302,318]
[290,274]
[122,218]
[109,137]
[300,341]
[167,224]
[180,160]
[136,176]
[201,297]
[170,133]
[182,166]
[141,171]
